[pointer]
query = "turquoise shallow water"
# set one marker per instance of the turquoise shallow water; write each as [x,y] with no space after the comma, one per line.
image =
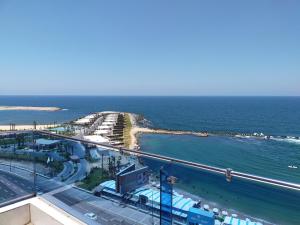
[259,157]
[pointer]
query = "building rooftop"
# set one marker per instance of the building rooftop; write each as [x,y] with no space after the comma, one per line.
[37,211]
[42,141]
[181,204]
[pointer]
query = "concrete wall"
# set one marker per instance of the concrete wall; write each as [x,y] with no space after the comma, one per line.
[35,211]
[16,216]
[39,217]
[26,214]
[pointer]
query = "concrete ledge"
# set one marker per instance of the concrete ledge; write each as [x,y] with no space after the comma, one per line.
[37,211]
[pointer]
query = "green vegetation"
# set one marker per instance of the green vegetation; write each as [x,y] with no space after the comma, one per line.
[26,157]
[127,129]
[19,140]
[69,133]
[96,176]
[64,154]
[57,166]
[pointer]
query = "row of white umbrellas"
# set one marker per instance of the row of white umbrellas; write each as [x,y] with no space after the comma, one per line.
[216,211]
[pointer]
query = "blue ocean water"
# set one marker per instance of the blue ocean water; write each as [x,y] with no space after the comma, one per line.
[270,115]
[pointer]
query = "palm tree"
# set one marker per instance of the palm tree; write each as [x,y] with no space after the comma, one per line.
[18,139]
[34,125]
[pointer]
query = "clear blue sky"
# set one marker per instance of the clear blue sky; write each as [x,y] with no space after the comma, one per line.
[149,47]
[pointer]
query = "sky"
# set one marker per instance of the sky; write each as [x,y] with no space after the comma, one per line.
[150,47]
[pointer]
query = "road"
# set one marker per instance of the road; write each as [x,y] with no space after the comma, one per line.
[82,167]
[67,171]
[74,201]
[24,179]
[70,175]
[108,212]
[12,186]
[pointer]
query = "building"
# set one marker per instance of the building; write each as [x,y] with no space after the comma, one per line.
[46,144]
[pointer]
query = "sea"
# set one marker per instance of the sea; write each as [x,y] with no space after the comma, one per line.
[274,116]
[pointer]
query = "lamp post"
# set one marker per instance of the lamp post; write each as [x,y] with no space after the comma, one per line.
[34,175]
[102,165]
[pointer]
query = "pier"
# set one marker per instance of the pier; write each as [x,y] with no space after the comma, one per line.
[174,132]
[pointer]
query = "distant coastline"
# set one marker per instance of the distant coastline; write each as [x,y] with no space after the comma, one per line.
[21,127]
[29,108]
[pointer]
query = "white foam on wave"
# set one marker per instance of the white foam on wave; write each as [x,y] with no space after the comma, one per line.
[292,140]
[289,140]
[243,136]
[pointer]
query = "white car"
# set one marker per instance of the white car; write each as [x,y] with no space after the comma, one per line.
[92,216]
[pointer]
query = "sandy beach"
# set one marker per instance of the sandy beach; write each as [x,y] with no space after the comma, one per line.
[29,108]
[135,130]
[27,127]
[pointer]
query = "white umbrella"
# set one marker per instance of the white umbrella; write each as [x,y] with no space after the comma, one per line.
[215,210]
[224,213]
[206,207]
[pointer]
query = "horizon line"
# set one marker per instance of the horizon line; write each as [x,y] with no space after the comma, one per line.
[76,95]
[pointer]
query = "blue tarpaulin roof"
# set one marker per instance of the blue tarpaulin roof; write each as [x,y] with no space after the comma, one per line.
[202,212]
[181,205]
[200,216]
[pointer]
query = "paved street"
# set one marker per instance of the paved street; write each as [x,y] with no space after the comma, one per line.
[108,212]
[66,172]
[12,186]
[19,182]
[73,200]
[82,167]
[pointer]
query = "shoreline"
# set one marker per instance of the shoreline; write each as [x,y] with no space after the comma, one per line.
[136,130]
[29,108]
[20,127]
[213,204]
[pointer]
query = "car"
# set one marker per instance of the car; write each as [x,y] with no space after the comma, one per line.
[91,215]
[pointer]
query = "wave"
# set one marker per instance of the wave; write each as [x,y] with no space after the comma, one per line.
[243,136]
[288,139]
